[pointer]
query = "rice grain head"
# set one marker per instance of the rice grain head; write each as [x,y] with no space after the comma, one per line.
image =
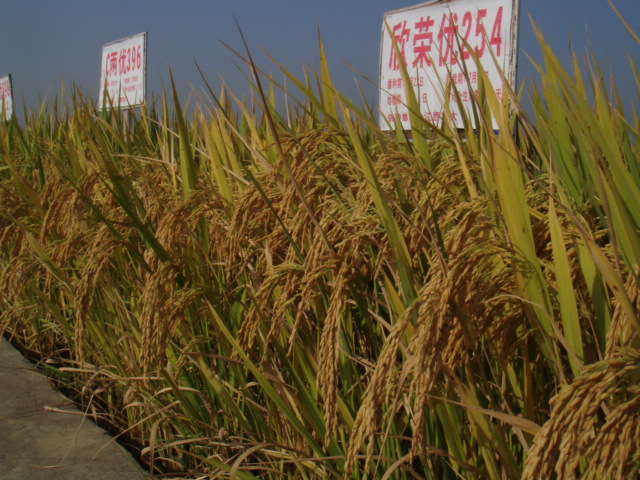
[600,404]
[621,334]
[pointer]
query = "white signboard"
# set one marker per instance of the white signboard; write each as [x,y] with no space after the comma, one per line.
[6,96]
[435,40]
[124,71]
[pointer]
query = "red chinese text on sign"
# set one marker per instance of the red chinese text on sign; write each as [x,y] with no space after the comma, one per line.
[123,78]
[422,42]
[436,42]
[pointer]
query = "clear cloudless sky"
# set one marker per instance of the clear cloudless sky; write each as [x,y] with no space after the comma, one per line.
[46,42]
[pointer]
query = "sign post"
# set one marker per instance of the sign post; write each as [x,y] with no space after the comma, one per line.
[124,73]
[436,41]
[6,97]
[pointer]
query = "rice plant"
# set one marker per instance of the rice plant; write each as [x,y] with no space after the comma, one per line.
[248,293]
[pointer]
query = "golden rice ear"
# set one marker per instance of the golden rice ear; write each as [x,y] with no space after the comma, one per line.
[161,302]
[621,334]
[600,405]
[328,354]
[614,451]
[99,254]
[368,417]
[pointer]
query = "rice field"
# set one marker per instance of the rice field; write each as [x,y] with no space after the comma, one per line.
[243,291]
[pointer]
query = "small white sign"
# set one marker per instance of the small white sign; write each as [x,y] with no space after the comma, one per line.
[124,72]
[435,40]
[6,96]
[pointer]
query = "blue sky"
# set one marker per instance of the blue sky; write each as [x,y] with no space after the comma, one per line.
[46,41]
